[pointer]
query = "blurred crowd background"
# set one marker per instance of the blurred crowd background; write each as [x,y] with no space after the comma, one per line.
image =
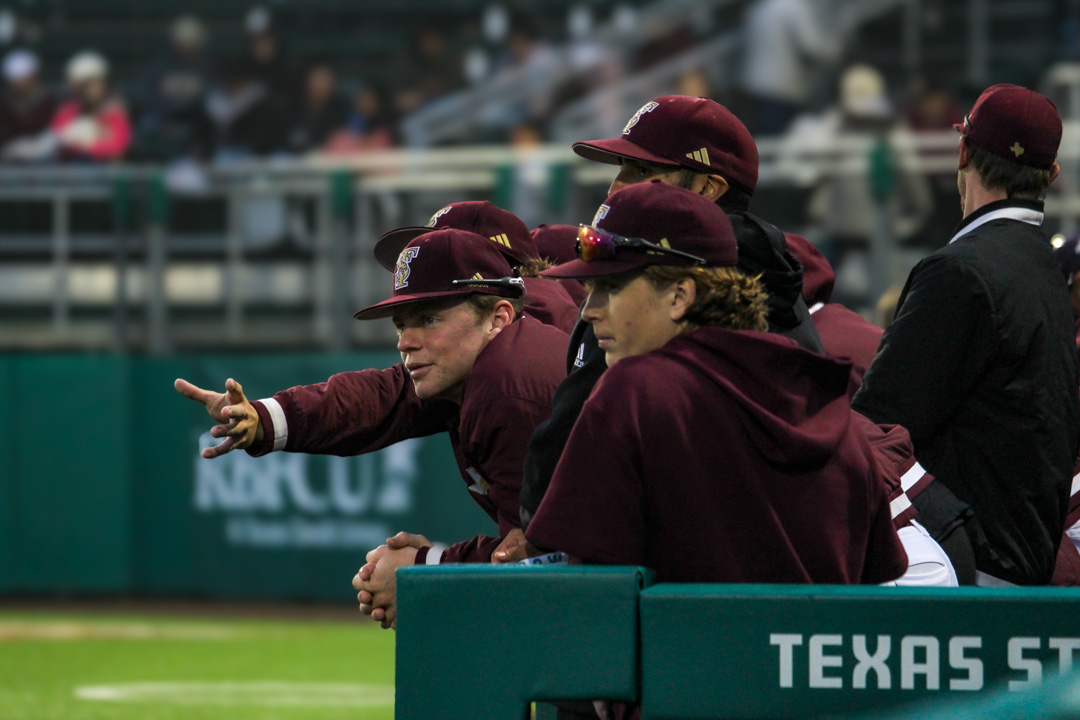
[203,173]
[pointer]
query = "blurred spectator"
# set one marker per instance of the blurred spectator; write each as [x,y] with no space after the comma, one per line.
[175,88]
[783,40]
[240,119]
[319,111]
[369,125]
[936,110]
[269,62]
[855,211]
[433,69]
[530,175]
[694,83]
[93,124]
[26,108]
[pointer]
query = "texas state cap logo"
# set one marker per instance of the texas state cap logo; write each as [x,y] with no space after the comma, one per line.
[402,271]
[646,108]
[435,218]
[601,213]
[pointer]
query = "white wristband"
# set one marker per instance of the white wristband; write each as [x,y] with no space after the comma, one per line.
[434,555]
[281,425]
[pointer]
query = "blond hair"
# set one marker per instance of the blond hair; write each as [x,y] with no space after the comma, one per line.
[725,297]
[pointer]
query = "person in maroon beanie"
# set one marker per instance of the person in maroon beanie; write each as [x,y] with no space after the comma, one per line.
[556,244]
[546,300]
[980,362]
[472,367]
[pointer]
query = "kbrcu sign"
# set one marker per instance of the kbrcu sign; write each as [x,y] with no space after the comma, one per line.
[292,500]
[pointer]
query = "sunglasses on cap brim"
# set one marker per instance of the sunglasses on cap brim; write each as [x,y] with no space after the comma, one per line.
[512,283]
[595,244]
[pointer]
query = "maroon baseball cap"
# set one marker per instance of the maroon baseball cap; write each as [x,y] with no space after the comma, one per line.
[694,133]
[501,227]
[1016,124]
[556,242]
[662,214]
[443,264]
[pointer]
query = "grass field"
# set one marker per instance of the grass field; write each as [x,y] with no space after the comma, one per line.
[89,667]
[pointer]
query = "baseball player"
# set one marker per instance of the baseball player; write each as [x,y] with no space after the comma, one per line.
[699,145]
[714,452]
[546,300]
[980,362]
[472,367]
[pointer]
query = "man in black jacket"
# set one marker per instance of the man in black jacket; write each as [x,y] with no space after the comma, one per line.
[980,363]
[696,144]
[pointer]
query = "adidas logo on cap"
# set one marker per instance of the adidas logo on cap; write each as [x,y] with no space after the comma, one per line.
[702,156]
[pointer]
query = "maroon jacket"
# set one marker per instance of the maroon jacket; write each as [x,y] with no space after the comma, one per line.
[506,395]
[550,303]
[845,334]
[723,457]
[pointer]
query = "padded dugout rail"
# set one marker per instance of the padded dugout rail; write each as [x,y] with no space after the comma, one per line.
[759,651]
[485,641]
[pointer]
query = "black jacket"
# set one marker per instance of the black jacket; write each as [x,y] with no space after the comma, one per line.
[762,251]
[980,366]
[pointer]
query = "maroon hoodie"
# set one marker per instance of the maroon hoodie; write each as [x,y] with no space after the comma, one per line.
[506,395]
[845,334]
[723,457]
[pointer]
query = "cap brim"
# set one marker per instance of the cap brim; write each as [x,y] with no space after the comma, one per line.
[581,270]
[389,245]
[613,151]
[386,308]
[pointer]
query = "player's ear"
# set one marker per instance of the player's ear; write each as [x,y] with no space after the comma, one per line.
[714,187]
[504,315]
[1054,172]
[683,294]
[964,158]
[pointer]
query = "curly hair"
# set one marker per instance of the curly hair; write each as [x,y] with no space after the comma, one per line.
[725,296]
[533,266]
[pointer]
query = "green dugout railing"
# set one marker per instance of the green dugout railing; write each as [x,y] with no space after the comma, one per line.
[485,642]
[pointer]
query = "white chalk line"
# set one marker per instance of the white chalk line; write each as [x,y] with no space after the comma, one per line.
[120,631]
[262,693]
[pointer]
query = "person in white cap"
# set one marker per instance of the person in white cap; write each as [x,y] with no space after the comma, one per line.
[93,124]
[26,108]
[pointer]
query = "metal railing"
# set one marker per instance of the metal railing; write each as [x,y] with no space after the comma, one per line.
[145,282]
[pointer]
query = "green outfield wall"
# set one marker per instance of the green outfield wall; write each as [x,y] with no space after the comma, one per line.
[102,489]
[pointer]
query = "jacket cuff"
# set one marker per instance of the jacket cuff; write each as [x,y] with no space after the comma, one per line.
[430,555]
[274,426]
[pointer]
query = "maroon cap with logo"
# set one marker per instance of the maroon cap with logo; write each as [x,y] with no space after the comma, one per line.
[694,133]
[556,242]
[1016,124]
[444,264]
[501,227]
[664,215]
